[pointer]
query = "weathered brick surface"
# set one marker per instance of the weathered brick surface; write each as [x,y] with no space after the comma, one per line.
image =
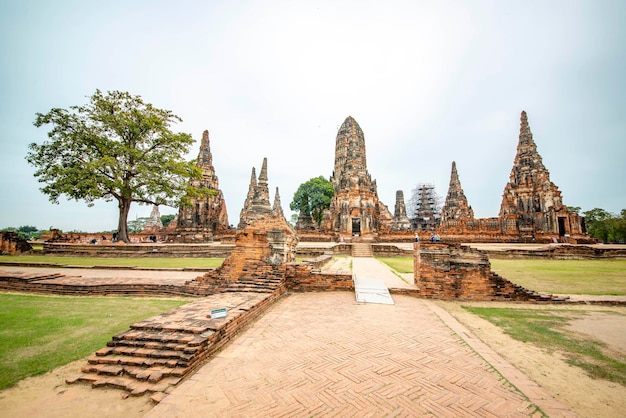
[453,271]
[328,356]
[456,206]
[155,354]
[355,208]
[400,220]
[205,216]
[302,277]
[108,249]
[11,243]
[532,208]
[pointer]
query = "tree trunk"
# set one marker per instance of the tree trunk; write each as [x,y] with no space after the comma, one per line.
[122,224]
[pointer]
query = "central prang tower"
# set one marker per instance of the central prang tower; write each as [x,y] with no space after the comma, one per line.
[355,209]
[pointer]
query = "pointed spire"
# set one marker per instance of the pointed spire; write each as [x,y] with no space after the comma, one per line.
[261,198]
[277,208]
[350,159]
[456,206]
[263,175]
[400,219]
[243,216]
[454,177]
[205,159]
[251,188]
[205,214]
[529,190]
[525,135]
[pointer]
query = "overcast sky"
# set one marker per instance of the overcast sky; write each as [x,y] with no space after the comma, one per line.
[429,82]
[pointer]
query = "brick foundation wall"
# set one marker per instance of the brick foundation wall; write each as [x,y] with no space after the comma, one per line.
[453,271]
[11,244]
[121,250]
[302,277]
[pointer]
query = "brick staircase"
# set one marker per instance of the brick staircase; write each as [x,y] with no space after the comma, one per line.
[156,354]
[362,249]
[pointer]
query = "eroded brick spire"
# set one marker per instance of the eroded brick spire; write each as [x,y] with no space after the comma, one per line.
[529,193]
[456,206]
[206,215]
[205,158]
[400,219]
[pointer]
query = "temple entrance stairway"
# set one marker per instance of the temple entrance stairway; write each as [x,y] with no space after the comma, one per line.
[362,249]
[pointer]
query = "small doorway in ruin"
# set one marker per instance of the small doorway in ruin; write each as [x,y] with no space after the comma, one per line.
[561,226]
[356,227]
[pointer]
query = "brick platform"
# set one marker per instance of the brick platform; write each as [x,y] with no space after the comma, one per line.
[156,354]
[323,354]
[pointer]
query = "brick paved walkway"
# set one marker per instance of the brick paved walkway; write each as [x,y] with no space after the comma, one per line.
[324,354]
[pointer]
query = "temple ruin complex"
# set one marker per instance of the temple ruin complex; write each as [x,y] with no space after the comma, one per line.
[532,208]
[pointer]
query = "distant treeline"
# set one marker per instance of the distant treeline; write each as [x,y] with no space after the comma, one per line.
[606,226]
[29,232]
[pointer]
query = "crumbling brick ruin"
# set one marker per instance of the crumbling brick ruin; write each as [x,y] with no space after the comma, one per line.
[531,203]
[400,220]
[456,206]
[454,271]
[154,224]
[264,243]
[204,217]
[11,244]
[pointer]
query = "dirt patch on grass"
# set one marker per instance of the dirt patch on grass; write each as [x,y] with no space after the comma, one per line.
[49,396]
[571,385]
[605,327]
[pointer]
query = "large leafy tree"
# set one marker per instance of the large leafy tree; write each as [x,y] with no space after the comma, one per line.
[116,147]
[313,198]
[606,226]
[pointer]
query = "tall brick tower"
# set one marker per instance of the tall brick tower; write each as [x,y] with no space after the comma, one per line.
[400,219]
[531,203]
[456,206]
[205,216]
[355,209]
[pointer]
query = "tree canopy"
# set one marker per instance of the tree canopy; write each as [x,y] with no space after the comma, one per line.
[313,198]
[606,226]
[116,147]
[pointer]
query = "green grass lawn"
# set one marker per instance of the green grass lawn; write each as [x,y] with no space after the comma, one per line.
[579,277]
[587,277]
[126,261]
[546,328]
[399,264]
[39,333]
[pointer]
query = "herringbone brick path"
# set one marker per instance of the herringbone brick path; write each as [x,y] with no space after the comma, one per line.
[318,354]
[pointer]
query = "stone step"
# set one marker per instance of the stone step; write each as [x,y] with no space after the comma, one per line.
[253,285]
[163,336]
[185,353]
[156,353]
[362,250]
[141,362]
[129,384]
[245,289]
[153,373]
